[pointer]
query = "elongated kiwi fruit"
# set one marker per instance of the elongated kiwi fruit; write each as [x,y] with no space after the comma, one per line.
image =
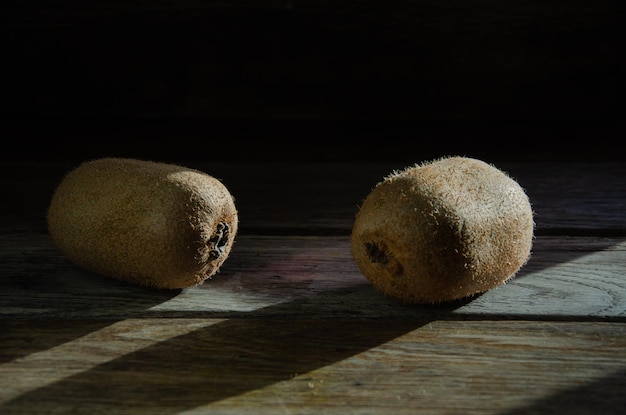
[149,223]
[444,230]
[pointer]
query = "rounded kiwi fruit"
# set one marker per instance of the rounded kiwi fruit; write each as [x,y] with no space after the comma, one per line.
[154,224]
[444,230]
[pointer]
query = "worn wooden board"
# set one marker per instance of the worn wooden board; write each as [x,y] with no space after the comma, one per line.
[300,365]
[575,277]
[290,326]
[322,198]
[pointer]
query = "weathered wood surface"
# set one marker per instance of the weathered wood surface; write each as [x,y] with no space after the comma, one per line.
[311,198]
[298,365]
[278,276]
[290,326]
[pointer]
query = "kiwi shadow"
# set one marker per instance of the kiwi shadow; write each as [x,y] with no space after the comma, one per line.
[46,301]
[228,358]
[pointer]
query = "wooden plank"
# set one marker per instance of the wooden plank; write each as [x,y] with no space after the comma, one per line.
[299,365]
[575,197]
[322,198]
[289,325]
[566,278]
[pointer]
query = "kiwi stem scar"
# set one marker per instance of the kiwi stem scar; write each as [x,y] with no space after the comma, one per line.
[218,241]
[375,254]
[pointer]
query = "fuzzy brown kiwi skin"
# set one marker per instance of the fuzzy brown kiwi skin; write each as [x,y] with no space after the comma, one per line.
[154,224]
[442,231]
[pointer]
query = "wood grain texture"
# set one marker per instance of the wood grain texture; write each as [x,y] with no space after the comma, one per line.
[297,365]
[323,198]
[312,276]
[289,325]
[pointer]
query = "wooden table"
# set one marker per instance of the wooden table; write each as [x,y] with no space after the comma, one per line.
[290,326]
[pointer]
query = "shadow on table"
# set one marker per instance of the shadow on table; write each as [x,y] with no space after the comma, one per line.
[259,349]
[223,360]
[604,396]
[246,352]
[46,303]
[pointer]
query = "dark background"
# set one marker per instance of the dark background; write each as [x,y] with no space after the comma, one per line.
[313,80]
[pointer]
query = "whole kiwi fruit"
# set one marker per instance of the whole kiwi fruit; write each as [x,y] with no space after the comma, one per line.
[443,230]
[149,223]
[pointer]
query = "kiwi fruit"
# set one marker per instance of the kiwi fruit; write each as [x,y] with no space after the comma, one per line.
[145,222]
[443,230]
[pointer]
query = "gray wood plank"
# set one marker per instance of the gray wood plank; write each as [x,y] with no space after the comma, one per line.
[296,365]
[289,325]
[323,198]
[566,278]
